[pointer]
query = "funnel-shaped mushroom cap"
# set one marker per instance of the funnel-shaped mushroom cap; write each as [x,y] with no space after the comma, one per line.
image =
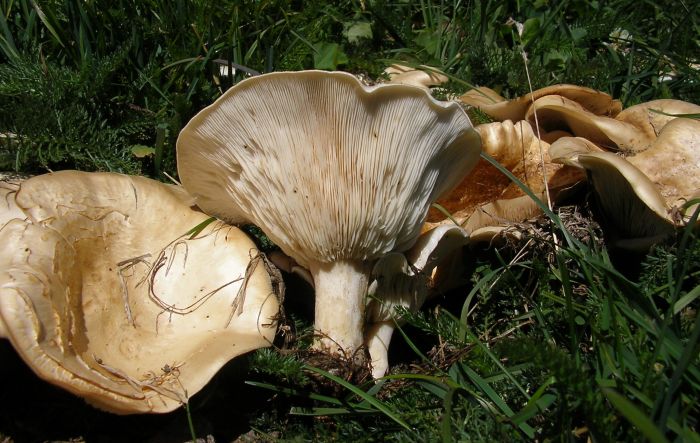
[487,197]
[595,102]
[329,169]
[641,195]
[633,129]
[335,173]
[421,78]
[105,293]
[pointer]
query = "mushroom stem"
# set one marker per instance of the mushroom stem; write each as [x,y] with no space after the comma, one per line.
[341,291]
[378,339]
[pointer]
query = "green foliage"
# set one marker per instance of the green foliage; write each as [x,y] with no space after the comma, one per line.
[63,118]
[286,369]
[111,75]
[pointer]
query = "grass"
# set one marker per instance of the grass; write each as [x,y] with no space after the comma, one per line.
[556,338]
[118,77]
[559,344]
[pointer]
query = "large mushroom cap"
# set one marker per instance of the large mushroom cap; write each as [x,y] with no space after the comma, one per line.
[642,195]
[326,167]
[335,173]
[490,102]
[633,129]
[103,294]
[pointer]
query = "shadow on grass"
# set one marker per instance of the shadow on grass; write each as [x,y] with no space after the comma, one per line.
[32,410]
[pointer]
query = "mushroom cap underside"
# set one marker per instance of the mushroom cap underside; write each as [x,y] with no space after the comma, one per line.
[487,196]
[328,168]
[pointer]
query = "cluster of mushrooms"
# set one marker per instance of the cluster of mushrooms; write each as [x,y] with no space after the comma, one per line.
[132,293]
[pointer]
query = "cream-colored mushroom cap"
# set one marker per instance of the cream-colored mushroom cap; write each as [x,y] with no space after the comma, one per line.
[105,293]
[497,107]
[642,195]
[8,207]
[335,173]
[421,78]
[633,129]
[8,211]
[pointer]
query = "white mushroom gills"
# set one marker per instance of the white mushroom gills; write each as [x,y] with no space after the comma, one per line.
[335,173]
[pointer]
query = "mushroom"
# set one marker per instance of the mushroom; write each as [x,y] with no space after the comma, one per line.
[421,78]
[335,173]
[8,207]
[633,129]
[642,196]
[500,109]
[405,280]
[487,197]
[8,211]
[108,290]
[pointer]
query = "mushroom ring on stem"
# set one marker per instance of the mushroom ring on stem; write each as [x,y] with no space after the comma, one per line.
[334,172]
[115,289]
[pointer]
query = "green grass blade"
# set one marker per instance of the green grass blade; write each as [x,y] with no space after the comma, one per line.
[690,353]
[315,412]
[496,399]
[693,115]
[296,392]
[381,406]
[686,300]
[190,423]
[635,416]
[446,422]
[199,228]
[47,21]
[445,212]
[7,43]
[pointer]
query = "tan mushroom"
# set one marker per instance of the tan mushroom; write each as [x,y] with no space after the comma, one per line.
[335,173]
[422,78]
[642,196]
[106,290]
[8,207]
[500,109]
[487,197]
[633,129]
[8,211]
